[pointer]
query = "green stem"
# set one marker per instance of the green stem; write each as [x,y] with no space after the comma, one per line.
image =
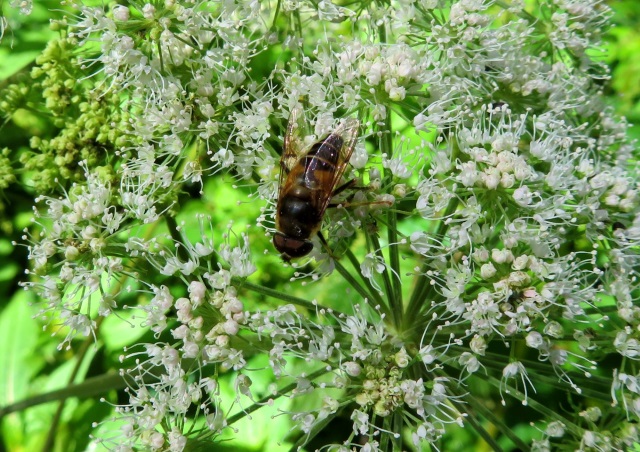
[393,286]
[91,387]
[352,281]
[172,225]
[275,294]
[395,304]
[488,414]
[159,47]
[420,292]
[397,427]
[523,14]
[539,407]
[298,26]
[394,253]
[270,397]
[595,387]
[275,16]
[374,293]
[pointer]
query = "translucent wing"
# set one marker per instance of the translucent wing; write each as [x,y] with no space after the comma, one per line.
[330,159]
[293,148]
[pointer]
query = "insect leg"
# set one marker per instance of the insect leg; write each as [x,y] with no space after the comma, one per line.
[325,245]
[343,187]
[349,184]
[349,205]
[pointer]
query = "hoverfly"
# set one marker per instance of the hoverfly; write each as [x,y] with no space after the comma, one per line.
[308,180]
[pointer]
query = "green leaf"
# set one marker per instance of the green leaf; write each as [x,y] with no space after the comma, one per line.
[264,428]
[122,329]
[19,360]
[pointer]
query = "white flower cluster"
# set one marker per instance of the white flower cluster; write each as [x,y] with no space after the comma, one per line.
[208,321]
[382,388]
[75,268]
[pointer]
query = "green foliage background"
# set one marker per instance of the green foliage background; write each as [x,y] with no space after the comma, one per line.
[32,370]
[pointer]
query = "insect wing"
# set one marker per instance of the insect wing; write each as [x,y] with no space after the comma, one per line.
[293,148]
[346,135]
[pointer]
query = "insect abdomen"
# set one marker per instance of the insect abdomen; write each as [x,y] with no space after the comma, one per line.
[320,163]
[301,209]
[298,218]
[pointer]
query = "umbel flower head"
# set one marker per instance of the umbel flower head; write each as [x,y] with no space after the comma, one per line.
[481,273]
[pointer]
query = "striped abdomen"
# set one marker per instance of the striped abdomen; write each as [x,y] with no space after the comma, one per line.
[311,182]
